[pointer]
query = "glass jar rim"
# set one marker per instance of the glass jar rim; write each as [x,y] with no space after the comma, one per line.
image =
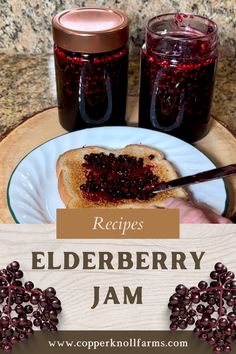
[166,36]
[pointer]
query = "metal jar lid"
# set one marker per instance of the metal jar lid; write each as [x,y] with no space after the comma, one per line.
[90,30]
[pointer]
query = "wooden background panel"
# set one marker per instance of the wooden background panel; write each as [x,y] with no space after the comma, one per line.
[75,287]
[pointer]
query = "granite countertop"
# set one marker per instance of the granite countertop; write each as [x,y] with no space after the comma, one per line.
[28,86]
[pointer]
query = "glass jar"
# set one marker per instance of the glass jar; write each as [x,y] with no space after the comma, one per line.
[91,61]
[178,65]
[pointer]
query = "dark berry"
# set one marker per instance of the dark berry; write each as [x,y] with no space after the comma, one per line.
[50,292]
[181,289]
[219,267]
[202,285]
[15,266]
[29,285]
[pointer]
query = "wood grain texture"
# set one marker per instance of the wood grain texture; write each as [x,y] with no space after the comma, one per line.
[219,145]
[75,287]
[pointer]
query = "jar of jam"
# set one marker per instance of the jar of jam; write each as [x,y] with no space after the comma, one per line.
[91,61]
[178,65]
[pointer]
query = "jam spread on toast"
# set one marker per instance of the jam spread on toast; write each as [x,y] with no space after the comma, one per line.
[111,178]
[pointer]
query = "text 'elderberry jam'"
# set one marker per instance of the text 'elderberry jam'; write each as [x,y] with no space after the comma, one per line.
[178,64]
[111,178]
[91,60]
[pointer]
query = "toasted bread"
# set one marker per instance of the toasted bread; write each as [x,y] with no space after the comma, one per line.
[71,176]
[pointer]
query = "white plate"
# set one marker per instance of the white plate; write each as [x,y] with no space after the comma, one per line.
[32,190]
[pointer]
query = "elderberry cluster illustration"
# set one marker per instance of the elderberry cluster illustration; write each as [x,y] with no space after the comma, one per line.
[211,308]
[23,307]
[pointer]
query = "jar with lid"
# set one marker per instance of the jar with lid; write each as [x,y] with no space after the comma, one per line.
[178,65]
[91,62]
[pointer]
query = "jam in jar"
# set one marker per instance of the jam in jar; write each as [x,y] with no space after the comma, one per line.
[91,61]
[178,65]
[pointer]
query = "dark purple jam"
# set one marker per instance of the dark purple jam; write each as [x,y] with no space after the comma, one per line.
[111,178]
[176,99]
[177,81]
[91,88]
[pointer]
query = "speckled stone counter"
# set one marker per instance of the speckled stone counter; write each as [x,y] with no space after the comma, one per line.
[25,25]
[27,86]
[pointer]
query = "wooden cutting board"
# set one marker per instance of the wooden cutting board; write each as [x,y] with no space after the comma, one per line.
[219,145]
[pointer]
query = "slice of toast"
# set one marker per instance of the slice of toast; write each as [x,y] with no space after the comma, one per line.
[72,174]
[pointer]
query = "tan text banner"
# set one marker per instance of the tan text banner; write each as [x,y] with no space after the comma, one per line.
[117,223]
